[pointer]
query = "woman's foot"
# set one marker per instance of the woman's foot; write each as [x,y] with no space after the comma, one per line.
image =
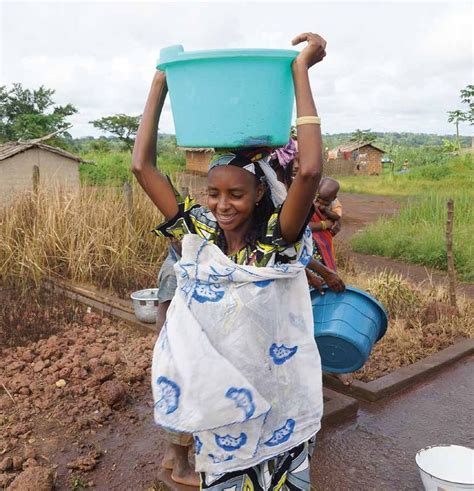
[168,459]
[345,378]
[176,460]
[183,471]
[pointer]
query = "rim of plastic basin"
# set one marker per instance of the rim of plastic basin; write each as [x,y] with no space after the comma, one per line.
[176,54]
[439,476]
[146,294]
[353,289]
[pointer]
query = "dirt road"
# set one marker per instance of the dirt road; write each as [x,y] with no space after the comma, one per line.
[359,211]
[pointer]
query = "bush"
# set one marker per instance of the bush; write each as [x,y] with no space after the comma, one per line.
[395,294]
[113,168]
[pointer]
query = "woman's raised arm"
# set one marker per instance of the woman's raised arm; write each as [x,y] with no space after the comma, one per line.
[303,189]
[154,183]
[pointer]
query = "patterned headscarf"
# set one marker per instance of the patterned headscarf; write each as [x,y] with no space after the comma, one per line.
[255,161]
[285,154]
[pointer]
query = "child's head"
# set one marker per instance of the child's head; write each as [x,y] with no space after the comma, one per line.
[327,191]
[237,193]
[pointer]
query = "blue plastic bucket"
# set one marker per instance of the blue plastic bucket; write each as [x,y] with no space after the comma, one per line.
[230,98]
[346,326]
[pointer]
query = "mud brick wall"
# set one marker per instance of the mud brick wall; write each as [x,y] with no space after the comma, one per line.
[339,167]
[16,173]
[198,161]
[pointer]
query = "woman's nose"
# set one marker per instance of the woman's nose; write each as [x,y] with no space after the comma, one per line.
[223,203]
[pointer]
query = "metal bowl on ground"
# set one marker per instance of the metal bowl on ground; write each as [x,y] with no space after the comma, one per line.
[145,304]
[446,467]
[346,327]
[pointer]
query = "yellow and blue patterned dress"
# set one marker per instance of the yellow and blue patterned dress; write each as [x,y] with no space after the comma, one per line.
[289,470]
[270,248]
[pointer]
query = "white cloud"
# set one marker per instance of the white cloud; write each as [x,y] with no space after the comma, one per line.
[390,66]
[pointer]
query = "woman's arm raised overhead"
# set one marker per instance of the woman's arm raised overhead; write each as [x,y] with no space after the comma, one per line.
[155,184]
[303,189]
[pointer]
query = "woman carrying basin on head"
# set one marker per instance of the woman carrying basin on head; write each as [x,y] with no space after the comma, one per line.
[236,364]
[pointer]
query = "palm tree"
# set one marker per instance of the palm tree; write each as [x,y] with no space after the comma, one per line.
[362,136]
[456,117]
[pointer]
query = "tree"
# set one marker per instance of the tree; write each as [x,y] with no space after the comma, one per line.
[363,136]
[30,114]
[456,117]
[124,127]
[467,97]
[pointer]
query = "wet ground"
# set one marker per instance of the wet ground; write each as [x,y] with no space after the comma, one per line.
[377,451]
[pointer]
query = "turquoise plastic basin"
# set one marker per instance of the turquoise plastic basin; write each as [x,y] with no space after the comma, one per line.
[230,98]
[346,327]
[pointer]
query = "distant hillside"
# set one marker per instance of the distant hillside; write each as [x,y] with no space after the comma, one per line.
[386,140]
[167,142]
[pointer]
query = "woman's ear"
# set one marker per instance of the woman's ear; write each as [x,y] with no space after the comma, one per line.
[261,187]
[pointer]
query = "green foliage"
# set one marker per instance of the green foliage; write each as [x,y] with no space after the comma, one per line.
[417,156]
[467,97]
[417,233]
[113,168]
[456,116]
[122,126]
[458,176]
[363,136]
[28,114]
[393,139]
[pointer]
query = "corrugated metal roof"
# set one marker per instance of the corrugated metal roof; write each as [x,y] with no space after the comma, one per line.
[351,146]
[12,148]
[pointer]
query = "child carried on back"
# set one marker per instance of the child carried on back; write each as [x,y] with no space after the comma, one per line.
[325,222]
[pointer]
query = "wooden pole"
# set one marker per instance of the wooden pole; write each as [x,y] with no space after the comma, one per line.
[128,194]
[449,253]
[36,179]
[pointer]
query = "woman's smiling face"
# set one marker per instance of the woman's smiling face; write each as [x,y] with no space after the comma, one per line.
[232,195]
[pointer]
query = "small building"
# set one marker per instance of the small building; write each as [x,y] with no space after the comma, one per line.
[354,158]
[197,159]
[25,165]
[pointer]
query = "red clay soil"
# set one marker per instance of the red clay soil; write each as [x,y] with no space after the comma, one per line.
[69,403]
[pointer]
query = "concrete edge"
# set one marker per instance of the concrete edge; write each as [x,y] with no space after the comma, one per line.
[100,305]
[338,407]
[403,377]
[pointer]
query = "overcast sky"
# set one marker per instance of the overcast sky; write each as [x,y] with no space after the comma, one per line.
[389,66]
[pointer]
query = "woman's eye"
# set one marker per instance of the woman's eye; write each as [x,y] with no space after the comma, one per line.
[237,195]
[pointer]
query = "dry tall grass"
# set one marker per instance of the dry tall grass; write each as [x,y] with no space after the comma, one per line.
[95,236]
[410,336]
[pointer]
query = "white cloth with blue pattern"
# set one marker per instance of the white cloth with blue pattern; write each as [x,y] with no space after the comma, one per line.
[236,363]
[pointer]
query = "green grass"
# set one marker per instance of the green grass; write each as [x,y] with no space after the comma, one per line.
[417,233]
[444,179]
[112,168]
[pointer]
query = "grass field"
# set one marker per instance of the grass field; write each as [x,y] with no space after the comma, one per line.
[453,177]
[92,237]
[113,168]
[417,233]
